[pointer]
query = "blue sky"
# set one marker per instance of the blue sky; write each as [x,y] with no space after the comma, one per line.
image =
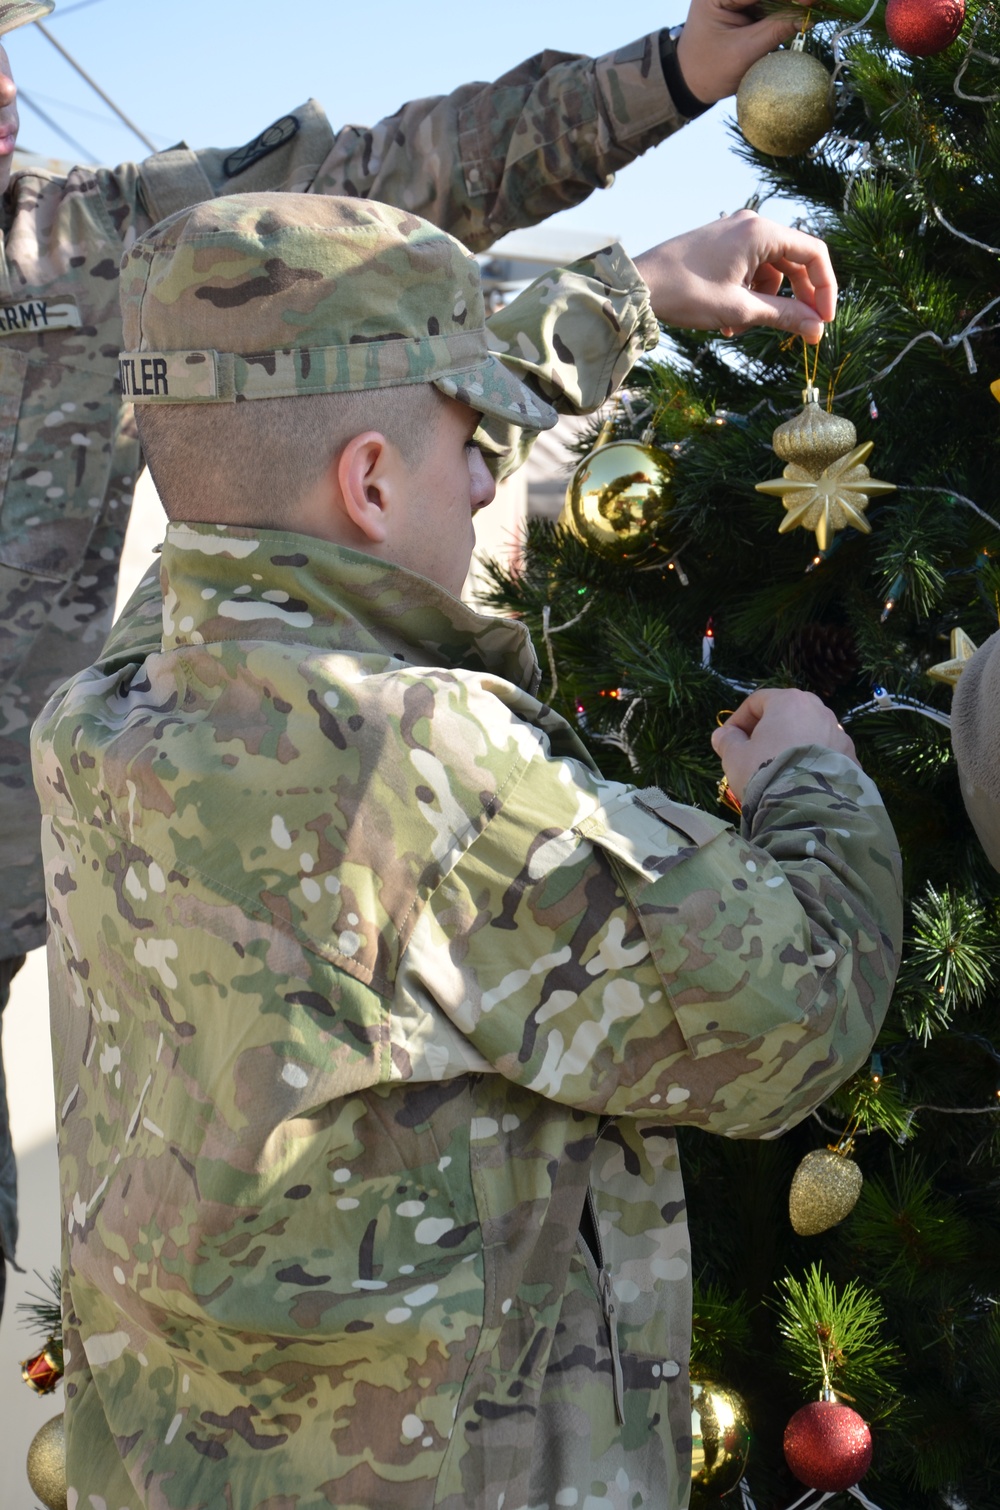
[215,72]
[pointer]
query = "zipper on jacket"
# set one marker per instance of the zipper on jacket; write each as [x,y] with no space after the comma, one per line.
[610,1316]
[606,1295]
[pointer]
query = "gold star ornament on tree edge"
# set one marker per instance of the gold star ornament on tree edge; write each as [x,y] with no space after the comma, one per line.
[962,650]
[831,501]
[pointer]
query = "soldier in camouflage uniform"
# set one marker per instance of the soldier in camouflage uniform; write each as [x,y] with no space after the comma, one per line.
[480,161]
[375,1006]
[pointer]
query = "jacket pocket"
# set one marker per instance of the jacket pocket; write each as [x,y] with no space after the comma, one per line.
[54,475]
[648,834]
[13,367]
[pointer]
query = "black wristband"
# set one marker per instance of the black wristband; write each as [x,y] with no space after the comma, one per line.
[687,103]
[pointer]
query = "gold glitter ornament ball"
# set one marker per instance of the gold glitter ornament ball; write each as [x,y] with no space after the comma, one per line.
[720,1441]
[784,102]
[813,438]
[618,500]
[47,1464]
[824,1190]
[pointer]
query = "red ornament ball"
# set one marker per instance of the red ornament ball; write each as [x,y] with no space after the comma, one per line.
[828,1446]
[923,27]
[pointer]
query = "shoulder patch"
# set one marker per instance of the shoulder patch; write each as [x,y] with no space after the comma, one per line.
[268,141]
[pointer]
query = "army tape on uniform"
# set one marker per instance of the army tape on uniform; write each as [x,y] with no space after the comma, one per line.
[33,316]
[221,377]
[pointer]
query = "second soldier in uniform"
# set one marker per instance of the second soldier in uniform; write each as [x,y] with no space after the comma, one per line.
[374,1005]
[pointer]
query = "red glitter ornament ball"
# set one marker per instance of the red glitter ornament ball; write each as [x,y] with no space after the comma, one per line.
[923,27]
[828,1446]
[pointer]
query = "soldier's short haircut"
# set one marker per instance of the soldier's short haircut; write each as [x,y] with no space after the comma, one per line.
[252,463]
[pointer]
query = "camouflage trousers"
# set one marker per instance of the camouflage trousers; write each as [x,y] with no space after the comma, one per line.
[8,1169]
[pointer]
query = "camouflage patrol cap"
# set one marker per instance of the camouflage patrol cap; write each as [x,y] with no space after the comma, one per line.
[274,295]
[20,12]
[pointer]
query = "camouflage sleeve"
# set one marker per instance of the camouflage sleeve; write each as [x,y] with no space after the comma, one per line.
[573,336]
[492,157]
[624,954]
[485,159]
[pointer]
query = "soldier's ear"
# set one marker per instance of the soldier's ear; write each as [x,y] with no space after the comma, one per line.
[365,476]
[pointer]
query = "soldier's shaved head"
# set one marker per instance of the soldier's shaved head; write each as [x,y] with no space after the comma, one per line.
[252,463]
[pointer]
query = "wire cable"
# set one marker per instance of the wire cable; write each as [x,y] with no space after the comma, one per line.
[26,99]
[96,87]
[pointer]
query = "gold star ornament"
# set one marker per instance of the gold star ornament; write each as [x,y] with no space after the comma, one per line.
[831,501]
[962,650]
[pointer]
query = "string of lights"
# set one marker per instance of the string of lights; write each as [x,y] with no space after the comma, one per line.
[548,631]
[972,51]
[845,31]
[884,701]
[806,1501]
[946,343]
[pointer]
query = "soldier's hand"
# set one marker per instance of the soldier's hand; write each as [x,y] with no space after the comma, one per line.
[769,722]
[720,40]
[726,276]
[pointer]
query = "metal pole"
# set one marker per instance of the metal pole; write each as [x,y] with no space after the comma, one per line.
[96,87]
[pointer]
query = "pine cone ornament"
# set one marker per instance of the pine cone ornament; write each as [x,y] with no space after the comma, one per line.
[824,1190]
[822,657]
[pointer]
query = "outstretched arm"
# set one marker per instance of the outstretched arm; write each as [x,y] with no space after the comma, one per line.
[574,334]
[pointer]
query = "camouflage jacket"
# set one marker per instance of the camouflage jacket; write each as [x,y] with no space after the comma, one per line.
[975,723]
[478,162]
[365,983]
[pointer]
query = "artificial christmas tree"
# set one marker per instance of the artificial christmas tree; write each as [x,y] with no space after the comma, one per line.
[645,656]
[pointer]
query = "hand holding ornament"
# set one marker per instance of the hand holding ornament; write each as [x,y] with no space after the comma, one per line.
[726,275]
[722,38]
[769,722]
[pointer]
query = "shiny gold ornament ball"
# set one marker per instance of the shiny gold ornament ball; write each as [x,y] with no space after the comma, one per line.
[784,103]
[720,1436]
[824,1190]
[618,500]
[813,438]
[47,1464]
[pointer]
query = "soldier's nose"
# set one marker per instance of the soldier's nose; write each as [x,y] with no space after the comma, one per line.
[483,486]
[8,89]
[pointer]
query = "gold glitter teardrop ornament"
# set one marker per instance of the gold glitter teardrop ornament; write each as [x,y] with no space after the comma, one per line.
[720,1441]
[619,499]
[47,1464]
[824,1190]
[813,438]
[785,101]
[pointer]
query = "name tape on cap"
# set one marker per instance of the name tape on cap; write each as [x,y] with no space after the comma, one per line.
[149,377]
[33,316]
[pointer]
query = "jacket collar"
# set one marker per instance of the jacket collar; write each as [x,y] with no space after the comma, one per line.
[224,582]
